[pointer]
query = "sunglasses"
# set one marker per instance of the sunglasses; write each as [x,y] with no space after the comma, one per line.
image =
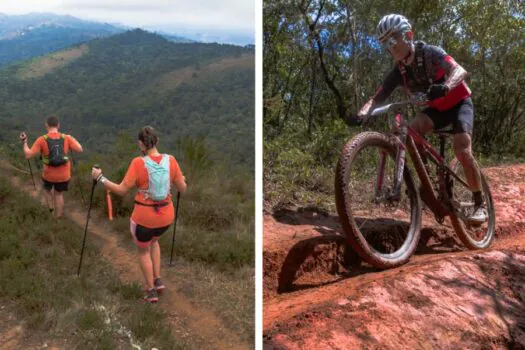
[393,40]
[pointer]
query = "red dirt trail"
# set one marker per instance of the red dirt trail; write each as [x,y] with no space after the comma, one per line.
[318,295]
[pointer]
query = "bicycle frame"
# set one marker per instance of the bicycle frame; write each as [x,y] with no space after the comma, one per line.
[408,139]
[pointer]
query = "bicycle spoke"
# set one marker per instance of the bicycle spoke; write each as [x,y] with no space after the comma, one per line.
[384,224]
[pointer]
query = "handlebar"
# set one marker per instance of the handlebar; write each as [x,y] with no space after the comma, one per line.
[418,98]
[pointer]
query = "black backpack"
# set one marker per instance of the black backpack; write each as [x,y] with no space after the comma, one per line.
[422,74]
[56,156]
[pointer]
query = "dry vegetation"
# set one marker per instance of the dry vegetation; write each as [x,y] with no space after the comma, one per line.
[43,65]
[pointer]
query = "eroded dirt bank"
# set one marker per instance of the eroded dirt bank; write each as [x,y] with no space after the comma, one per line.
[317,294]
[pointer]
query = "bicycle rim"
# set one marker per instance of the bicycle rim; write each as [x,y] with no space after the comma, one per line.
[385,233]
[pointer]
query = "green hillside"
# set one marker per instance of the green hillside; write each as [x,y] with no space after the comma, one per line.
[42,41]
[135,78]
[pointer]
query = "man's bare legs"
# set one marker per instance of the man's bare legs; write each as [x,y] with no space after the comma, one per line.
[59,204]
[462,147]
[463,150]
[422,124]
[48,195]
[55,200]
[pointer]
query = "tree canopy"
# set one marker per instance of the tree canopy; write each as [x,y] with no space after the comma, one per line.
[322,62]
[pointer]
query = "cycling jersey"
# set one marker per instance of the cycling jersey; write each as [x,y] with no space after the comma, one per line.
[431,65]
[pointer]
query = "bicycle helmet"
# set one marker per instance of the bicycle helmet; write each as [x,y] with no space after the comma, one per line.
[390,24]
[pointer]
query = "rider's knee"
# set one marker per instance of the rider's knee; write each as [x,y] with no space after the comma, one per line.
[422,124]
[462,148]
[464,154]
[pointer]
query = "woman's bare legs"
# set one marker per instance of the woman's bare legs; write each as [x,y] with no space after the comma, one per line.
[146,265]
[155,257]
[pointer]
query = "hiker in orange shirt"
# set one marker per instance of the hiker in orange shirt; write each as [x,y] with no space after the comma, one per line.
[153,212]
[54,148]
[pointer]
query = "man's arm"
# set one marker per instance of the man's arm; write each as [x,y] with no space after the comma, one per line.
[29,152]
[456,76]
[74,144]
[389,85]
[454,72]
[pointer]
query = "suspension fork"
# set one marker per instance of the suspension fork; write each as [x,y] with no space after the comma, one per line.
[400,161]
[380,176]
[398,170]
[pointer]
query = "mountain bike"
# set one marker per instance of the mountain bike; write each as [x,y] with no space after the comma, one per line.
[380,204]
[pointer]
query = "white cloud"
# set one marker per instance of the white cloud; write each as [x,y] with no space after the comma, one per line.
[235,15]
[20,7]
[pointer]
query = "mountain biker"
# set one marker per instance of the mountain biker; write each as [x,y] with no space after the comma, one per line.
[426,68]
[53,147]
[150,218]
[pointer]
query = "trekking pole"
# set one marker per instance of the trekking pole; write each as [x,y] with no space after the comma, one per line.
[31,171]
[87,220]
[23,138]
[175,225]
[78,180]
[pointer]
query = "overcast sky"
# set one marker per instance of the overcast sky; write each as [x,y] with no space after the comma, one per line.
[229,15]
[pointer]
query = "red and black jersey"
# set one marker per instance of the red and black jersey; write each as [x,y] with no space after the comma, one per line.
[431,65]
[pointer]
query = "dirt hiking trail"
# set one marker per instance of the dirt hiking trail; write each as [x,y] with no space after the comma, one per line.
[188,319]
[317,293]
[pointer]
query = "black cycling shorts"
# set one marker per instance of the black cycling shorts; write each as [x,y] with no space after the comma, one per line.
[461,116]
[59,186]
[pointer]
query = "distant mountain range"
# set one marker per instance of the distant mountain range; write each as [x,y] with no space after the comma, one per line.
[35,34]
[210,36]
[16,26]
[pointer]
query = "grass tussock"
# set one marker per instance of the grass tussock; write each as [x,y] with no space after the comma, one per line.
[231,294]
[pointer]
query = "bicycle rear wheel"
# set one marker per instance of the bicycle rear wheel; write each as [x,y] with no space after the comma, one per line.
[383,232]
[477,236]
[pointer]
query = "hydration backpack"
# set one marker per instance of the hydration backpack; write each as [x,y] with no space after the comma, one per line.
[422,72]
[159,178]
[56,156]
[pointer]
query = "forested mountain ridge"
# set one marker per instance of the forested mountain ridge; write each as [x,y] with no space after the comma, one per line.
[31,35]
[125,81]
[35,34]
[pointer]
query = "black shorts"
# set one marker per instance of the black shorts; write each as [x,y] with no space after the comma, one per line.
[461,116]
[59,186]
[144,234]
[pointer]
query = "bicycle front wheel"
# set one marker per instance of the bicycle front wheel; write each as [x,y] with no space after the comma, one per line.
[384,232]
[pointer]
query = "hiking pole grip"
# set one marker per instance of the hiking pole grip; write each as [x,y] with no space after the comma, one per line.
[96,166]
[87,221]
[175,226]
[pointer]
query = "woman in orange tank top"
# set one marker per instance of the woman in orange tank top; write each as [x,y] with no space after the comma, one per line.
[150,218]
